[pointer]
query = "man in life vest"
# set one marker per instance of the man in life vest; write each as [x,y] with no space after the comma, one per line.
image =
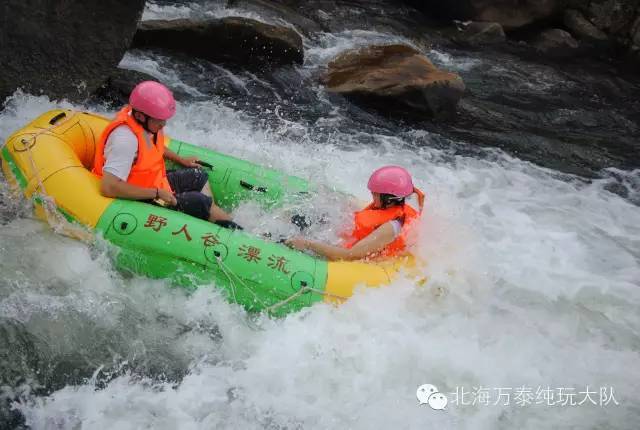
[383,228]
[131,152]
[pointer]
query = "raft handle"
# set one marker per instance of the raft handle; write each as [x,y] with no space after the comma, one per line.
[248,186]
[57,118]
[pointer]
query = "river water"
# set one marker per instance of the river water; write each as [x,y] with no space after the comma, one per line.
[530,318]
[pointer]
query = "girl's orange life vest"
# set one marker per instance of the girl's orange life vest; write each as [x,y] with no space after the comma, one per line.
[369,219]
[148,169]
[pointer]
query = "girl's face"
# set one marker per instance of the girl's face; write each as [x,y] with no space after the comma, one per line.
[377,202]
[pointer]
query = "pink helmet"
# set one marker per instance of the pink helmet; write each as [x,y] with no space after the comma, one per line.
[393,180]
[153,99]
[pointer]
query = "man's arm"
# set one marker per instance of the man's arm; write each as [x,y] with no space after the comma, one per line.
[114,187]
[184,161]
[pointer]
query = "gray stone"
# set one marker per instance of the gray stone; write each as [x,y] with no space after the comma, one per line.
[556,43]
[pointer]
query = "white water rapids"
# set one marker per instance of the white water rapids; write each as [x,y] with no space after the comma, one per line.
[540,273]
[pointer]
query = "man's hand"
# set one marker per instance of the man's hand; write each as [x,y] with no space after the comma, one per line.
[167,197]
[189,161]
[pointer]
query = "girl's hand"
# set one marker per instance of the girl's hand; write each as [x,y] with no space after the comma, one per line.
[298,243]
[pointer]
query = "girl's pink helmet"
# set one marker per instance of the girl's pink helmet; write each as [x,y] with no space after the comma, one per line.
[393,180]
[153,99]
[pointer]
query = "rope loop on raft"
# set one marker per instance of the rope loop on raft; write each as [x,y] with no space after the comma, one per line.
[269,309]
[51,210]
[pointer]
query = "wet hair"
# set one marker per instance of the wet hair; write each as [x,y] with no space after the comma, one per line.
[389,200]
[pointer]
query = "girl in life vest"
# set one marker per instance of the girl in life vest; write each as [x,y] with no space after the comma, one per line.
[383,228]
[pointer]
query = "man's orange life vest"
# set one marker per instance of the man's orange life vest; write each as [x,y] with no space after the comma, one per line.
[148,169]
[369,219]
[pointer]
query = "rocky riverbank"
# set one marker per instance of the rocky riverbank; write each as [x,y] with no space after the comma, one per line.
[553,81]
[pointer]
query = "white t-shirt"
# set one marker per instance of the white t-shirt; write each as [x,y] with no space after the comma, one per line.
[120,151]
[397,227]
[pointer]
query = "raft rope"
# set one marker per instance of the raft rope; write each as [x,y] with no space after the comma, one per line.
[228,272]
[53,216]
[269,309]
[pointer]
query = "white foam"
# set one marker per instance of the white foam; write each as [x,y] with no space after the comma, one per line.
[533,280]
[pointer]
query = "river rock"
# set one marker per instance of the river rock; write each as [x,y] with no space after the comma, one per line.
[583,28]
[556,43]
[60,48]
[480,33]
[391,76]
[612,16]
[233,40]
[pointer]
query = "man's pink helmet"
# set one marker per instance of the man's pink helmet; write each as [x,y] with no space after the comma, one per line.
[153,99]
[393,180]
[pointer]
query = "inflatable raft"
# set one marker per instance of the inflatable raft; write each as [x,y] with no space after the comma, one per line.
[49,160]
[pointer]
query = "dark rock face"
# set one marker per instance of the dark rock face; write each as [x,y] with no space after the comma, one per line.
[237,41]
[395,75]
[63,48]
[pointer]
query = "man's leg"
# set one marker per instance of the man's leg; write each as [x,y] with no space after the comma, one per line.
[187,181]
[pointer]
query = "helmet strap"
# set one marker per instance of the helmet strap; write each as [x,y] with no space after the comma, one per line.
[144,124]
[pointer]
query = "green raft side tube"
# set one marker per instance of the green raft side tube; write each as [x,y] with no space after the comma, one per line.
[259,275]
[234,180]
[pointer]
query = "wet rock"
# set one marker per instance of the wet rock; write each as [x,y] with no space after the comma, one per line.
[60,48]
[583,28]
[279,11]
[391,76]
[232,40]
[479,33]
[511,14]
[555,43]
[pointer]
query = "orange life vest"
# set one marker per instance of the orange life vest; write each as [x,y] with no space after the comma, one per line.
[148,170]
[369,219]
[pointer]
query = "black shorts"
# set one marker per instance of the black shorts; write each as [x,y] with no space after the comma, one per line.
[186,184]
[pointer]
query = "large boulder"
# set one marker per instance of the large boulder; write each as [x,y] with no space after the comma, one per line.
[395,76]
[62,48]
[232,40]
[511,14]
